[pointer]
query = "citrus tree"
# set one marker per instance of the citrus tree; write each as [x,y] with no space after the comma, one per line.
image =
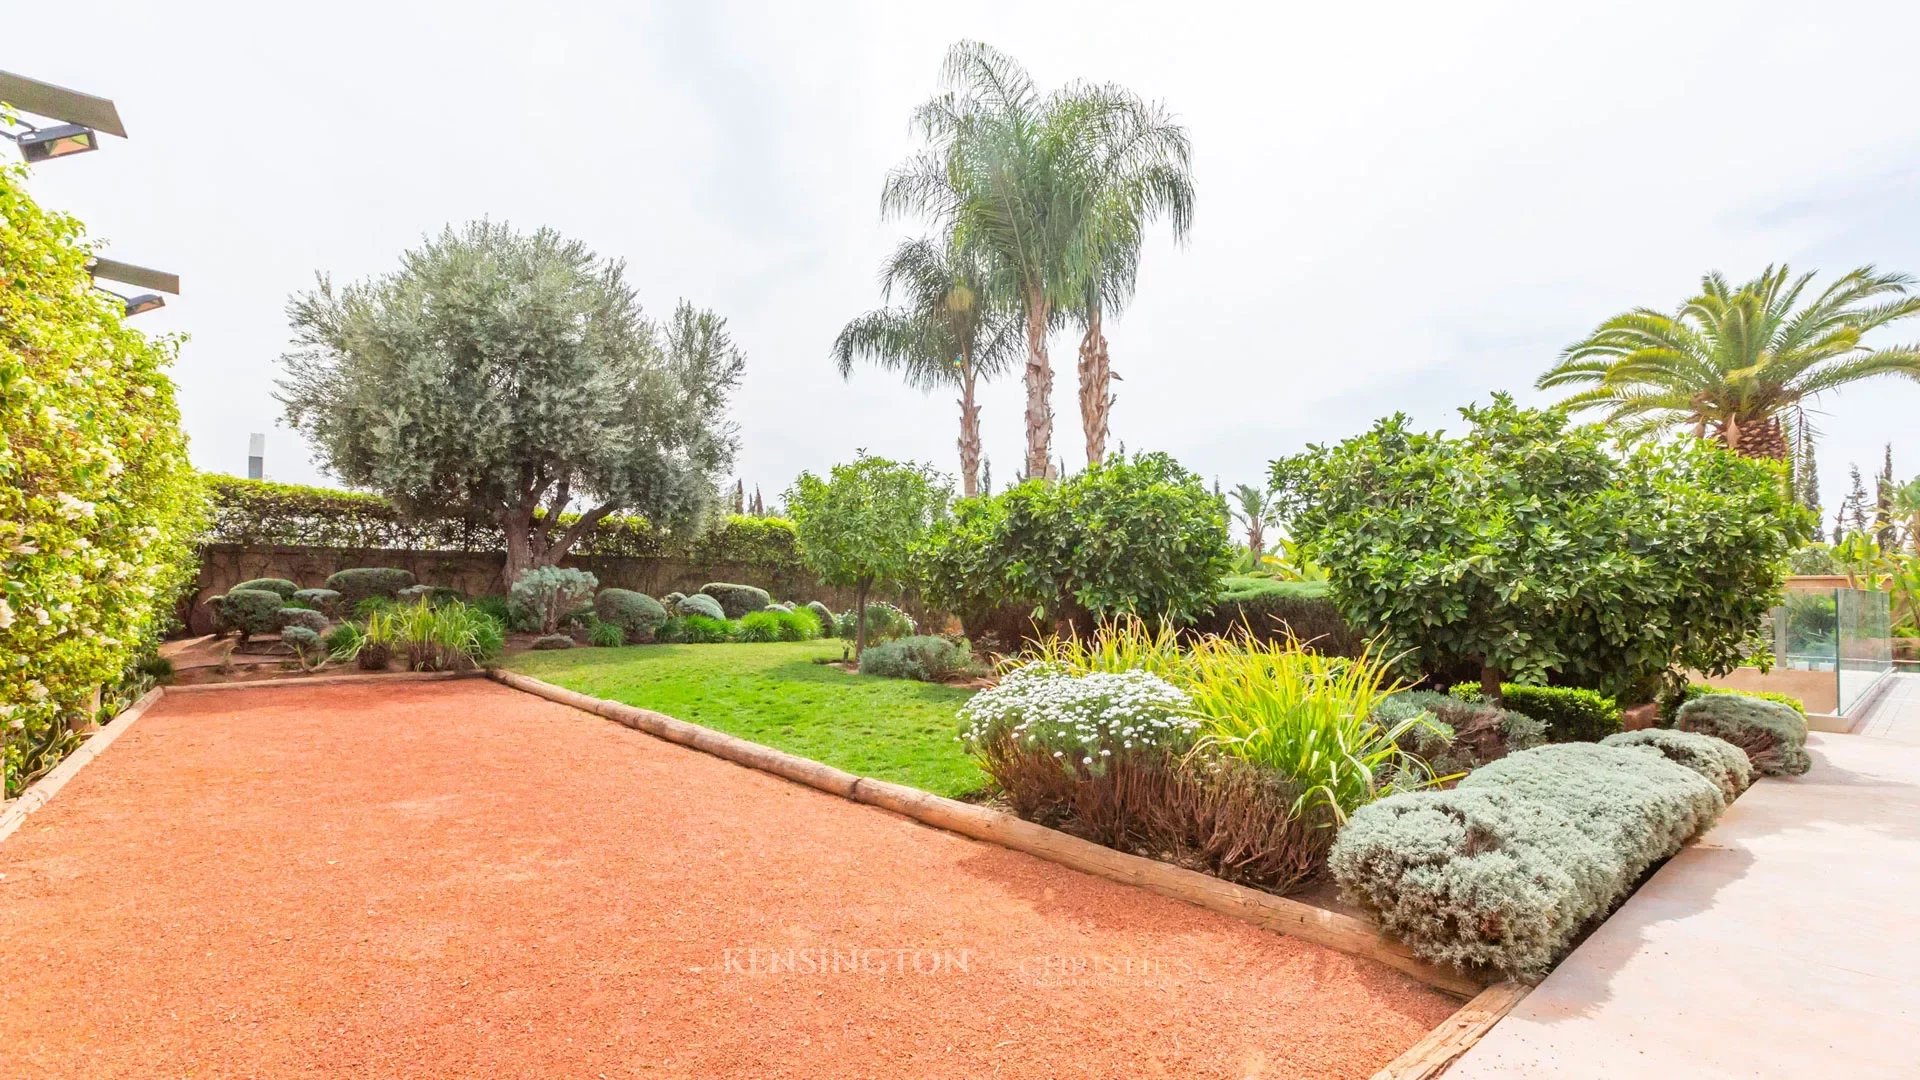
[861,526]
[1530,549]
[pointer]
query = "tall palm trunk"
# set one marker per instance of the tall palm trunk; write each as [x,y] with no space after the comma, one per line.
[969,430]
[1039,379]
[1096,382]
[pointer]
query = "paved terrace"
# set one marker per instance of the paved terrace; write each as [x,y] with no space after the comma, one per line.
[1784,943]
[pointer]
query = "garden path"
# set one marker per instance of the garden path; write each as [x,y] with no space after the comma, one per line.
[457,879]
[1783,943]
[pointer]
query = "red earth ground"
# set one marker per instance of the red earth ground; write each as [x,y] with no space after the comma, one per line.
[457,879]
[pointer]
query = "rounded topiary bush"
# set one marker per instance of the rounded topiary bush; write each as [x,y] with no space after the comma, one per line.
[699,604]
[926,658]
[1716,759]
[637,615]
[737,600]
[285,588]
[828,623]
[305,643]
[1462,735]
[1504,870]
[325,601]
[553,641]
[432,594]
[249,611]
[365,582]
[672,598]
[1773,736]
[289,617]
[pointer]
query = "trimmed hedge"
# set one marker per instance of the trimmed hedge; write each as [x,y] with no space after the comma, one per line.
[1504,870]
[1571,714]
[1716,759]
[737,600]
[1773,736]
[249,611]
[1270,610]
[325,601]
[699,604]
[636,614]
[365,582]
[285,588]
[305,617]
[98,504]
[1670,702]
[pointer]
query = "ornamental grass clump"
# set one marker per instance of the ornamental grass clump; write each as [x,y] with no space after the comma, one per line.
[1773,735]
[1504,871]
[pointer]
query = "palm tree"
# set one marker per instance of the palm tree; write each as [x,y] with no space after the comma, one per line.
[1046,189]
[1253,508]
[1138,171]
[950,330]
[1731,362]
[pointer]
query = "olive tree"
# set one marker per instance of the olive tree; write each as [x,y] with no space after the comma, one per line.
[864,524]
[515,377]
[1530,549]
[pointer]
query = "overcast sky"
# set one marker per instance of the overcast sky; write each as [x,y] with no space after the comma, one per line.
[1400,206]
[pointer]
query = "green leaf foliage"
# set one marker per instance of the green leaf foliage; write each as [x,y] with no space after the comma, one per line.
[1569,713]
[1532,548]
[98,505]
[864,525]
[1131,536]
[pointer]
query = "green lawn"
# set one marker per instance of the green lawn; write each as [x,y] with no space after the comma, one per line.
[890,729]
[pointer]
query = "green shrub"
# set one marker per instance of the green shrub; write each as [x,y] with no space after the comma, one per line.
[448,637]
[343,641]
[1133,535]
[498,608]
[1531,549]
[362,583]
[1773,736]
[737,600]
[605,635]
[1716,759]
[285,588]
[1468,734]
[926,658]
[705,630]
[884,623]
[324,601]
[760,626]
[554,595]
[248,611]
[1570,714]
[1670,701]
[289,617]
[306,645]
[1504,870]
[636,614]
[1272,610]
[552,641]
[699,604]
[799,624]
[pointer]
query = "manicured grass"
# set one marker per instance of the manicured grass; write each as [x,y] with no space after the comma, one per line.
[890,729]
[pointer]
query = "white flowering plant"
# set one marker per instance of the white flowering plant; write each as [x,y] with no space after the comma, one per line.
[1082,720]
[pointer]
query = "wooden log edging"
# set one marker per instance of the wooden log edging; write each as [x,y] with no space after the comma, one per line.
[1336,931]
[45,788]
[1443,1045]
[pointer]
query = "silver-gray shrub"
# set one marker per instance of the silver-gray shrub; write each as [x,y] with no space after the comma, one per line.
[1503,871]
[1716,759]
[1774,736]
[554,594]
[699,604]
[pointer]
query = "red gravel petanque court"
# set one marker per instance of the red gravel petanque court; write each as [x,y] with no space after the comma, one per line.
[459,880]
